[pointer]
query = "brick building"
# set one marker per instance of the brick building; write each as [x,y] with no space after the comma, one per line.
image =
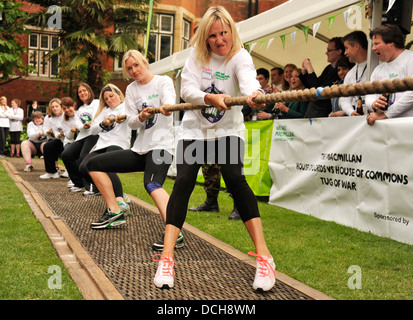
[175,19]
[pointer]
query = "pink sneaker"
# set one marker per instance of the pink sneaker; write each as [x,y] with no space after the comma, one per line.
[265,273]
[164,277]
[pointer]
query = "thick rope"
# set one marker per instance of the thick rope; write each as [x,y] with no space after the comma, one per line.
[335,91]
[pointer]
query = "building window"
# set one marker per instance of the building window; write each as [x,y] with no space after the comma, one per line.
[161,37]
[186,34]
[40,45]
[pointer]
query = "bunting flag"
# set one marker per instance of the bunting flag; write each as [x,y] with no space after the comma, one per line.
[315,28]
[330,22]
[269,42]
[293,36]
[283,40]
[305,30]
[346,13]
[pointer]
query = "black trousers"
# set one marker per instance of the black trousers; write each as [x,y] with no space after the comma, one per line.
[73,156]
[191,154]
[155,165]
[51,151]
[84,171]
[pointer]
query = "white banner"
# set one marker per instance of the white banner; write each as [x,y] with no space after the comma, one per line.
[342,170]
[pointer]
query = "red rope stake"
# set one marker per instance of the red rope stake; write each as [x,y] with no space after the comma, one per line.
[335,91]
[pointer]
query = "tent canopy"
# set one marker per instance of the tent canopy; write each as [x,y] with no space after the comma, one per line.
[285,34]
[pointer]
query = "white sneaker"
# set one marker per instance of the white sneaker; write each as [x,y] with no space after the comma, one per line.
[76,189]
[50,175]
[265,273]
[70,184]
[64,174]
[28,167]
[164,277]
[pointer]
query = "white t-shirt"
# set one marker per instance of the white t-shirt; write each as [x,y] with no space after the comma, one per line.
[235,78]
[156,132]
[357,74]
[118,134]
[54,123]
[67,125]
[401,103]
[33,132]
[15,117]
[86,113]
[4,120]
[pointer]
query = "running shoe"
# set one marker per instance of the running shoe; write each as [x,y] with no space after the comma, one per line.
[76,189]
[158,246]
[28,167]
[164,277]
[108,220]
[48,175]
[93,191]
[265,272]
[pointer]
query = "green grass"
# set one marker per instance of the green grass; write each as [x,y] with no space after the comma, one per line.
[312,251]
[26,253]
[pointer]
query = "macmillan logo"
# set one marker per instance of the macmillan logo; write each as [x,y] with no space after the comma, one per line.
[282,134]
[221,76]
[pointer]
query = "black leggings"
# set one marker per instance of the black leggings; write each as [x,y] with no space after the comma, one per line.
[229,153]
[129,161]
[83,169]
[73,155]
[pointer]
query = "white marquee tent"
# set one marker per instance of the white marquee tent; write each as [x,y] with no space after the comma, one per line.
[278,36]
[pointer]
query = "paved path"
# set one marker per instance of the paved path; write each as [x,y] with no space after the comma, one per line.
[117,263]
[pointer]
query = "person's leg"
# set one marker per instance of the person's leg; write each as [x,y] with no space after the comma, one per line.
[245,201]
[99,166]
[177,209]
[28,149]
[69,157]
[51,151]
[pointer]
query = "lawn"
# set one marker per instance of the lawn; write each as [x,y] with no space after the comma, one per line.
[30,268]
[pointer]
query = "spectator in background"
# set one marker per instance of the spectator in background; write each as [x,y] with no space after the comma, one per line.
[294,109]
[263,76]
[396,62]
[15,115]
[31,108]
[4,125]
[355,44]
[343,67]
[277,79]
[36,140]
[329,76]
[288,70]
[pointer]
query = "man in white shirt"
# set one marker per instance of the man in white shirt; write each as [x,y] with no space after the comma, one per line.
[396,63]
[355,44]
[277,78]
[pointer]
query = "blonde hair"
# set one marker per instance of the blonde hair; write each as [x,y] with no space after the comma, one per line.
[49,108]
[140,59]
[200,40]
[102,103]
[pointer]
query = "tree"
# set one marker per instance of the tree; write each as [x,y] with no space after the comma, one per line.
[88,32]
[11,26]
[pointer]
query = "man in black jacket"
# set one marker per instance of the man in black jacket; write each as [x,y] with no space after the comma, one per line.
[329,76]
